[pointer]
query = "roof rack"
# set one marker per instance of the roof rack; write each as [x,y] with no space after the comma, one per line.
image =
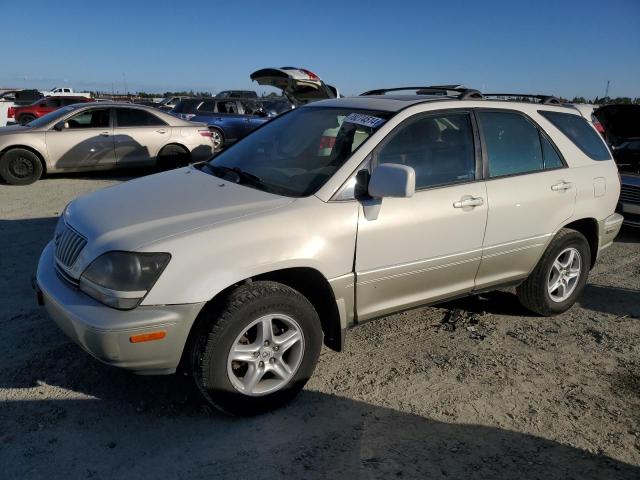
[459,91]
[543,99]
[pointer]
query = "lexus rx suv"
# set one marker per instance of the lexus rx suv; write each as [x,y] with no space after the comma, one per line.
[238,268]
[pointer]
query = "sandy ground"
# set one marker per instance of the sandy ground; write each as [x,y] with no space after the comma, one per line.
[475,389]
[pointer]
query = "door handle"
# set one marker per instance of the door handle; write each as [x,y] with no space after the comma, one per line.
[559,187]
[162,130]
[104,134]
[469,202]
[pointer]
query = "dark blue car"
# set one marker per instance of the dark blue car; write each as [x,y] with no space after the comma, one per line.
[229,119]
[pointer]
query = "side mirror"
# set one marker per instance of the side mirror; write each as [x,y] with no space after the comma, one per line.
[61,126]
[392,180]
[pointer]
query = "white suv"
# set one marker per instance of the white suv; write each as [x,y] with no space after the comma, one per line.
[238,267]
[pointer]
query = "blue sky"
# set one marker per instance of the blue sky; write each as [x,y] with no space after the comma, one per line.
[562,47]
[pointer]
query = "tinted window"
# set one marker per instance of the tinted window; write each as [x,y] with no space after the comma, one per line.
[186,106]
[580,133]
[227,107]
[52,103]
[550,156]
[439,148]
[97,118]
[133,117]
[512,142]
[207,106]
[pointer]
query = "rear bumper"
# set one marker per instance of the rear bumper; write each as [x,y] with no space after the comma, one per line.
[608,229]
[105,332]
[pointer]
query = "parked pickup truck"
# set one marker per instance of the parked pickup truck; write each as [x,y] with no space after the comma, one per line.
[13,98]
[65,91]
[27,113]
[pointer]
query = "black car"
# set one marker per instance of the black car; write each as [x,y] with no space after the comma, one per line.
[622,132]
[237,94]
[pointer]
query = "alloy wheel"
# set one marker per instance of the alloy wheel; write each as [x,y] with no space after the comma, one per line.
[564,275]
[266,355]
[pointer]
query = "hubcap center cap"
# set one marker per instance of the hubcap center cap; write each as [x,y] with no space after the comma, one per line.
[266,353]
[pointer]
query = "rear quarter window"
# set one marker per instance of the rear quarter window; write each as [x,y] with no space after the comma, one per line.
[579,132]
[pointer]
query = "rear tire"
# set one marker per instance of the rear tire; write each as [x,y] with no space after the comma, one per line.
[26,118]
[244,368]
[173,156]
[20,167]
[560,275]
[218,139]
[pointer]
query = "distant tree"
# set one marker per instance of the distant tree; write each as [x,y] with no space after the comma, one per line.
[579,100]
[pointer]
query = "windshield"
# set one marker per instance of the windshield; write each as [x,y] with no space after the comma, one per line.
[295,154]
[51,116]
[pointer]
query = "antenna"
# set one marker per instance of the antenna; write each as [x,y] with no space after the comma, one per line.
[124,81]
[606,92]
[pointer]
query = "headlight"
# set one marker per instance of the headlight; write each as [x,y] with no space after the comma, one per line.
[122,279]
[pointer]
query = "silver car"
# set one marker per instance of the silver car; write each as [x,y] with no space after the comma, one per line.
[99,136]
[326,217]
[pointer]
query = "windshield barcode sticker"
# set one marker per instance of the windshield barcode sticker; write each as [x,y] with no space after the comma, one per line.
[365,120]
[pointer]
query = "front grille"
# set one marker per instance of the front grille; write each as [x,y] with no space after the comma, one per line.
[69,244]
[630,194]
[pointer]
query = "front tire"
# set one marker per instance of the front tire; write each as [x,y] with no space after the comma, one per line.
[560,275]
[257,350]
[20,167]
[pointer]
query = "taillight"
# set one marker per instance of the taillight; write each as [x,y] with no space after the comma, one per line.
[312,76]
[205,133]
[597,124]
[11,112]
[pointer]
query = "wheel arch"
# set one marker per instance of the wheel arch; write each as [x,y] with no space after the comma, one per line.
[589,228]
[33,150]
[308,281]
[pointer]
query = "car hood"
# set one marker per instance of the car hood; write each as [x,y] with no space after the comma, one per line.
[140,212]
[620,122]
[11,129]
[299,85]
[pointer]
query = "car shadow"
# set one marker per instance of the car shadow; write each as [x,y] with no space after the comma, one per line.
[318,435]
[619,301]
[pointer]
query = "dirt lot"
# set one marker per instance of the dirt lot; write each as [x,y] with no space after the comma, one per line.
[475,389]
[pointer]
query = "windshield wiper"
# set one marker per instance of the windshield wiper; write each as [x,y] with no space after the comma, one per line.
[241,176]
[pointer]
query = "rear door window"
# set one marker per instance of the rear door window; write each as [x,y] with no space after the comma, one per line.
[207,106]
[133,117]
[515,145]
[580,133]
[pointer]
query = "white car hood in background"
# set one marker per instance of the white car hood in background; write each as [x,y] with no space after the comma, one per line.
[136,213]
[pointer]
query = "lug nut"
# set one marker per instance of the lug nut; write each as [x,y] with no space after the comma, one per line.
[276,348]
[272,360]
[255,354]
[266,343]
[261,364]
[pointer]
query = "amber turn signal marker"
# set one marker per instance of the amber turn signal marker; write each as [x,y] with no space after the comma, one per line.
[148,337]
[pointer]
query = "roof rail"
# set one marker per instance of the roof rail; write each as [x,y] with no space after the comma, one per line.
[543,99]
[459,91]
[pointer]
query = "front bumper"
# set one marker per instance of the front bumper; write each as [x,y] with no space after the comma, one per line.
[105,332]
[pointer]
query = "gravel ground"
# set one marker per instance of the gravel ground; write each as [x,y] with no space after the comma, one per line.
[477,388]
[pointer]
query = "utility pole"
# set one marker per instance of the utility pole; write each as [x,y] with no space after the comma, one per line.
[606,92]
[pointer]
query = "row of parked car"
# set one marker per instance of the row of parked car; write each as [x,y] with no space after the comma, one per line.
[63,133]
